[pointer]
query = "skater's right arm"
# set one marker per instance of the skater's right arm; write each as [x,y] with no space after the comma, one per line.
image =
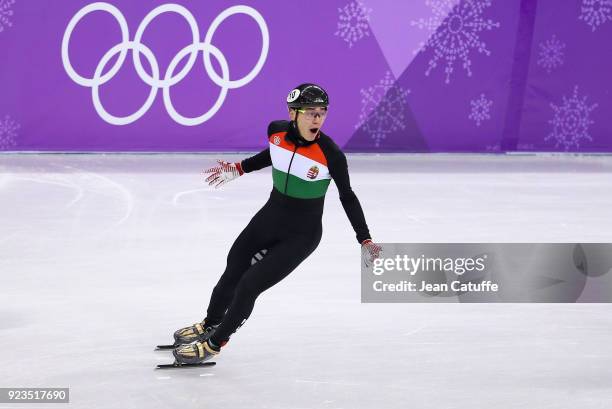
[259,161]
[263,159]
[225,172]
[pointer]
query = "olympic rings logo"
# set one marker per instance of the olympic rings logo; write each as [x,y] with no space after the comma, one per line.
[170,78]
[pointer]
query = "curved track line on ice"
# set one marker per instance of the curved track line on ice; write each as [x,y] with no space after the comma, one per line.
[127,195]
[80,190]
[177,196]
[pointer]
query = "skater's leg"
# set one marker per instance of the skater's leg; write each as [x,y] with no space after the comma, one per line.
[251,240]
[280,260]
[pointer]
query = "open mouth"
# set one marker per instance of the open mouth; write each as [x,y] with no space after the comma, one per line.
[314,130]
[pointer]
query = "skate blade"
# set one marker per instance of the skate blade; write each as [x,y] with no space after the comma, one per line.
[177,365]
[166,347]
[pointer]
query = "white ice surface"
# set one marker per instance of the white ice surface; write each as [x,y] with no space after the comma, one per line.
[104,256]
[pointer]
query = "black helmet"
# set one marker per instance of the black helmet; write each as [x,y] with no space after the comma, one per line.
[307,95]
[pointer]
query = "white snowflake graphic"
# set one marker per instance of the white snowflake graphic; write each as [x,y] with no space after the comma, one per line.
[551,54]
[571,121]
[353,22]
[383,108]
[481,109]
[6,13]
[456,30]
[8,133]
[595,12]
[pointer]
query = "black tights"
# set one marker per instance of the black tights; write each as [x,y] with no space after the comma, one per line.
[288,236]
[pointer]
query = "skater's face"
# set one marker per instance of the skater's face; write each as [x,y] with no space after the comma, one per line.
[309,120]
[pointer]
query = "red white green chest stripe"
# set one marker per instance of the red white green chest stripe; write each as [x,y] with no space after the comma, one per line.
[301,172]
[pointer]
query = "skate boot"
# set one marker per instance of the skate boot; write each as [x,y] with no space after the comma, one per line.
[195,353]
[195,332]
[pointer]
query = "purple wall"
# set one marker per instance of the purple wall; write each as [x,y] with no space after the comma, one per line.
[412,76]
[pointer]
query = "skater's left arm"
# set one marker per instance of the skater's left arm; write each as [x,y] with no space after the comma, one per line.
[338,169]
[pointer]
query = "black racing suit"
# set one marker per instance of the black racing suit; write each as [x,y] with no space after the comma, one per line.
[288,225]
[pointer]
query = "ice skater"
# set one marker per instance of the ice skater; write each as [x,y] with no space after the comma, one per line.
[287,228]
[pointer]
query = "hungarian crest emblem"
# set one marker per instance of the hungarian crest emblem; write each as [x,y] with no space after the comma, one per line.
[312,172]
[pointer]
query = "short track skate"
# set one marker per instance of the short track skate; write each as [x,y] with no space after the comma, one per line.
[176,365]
